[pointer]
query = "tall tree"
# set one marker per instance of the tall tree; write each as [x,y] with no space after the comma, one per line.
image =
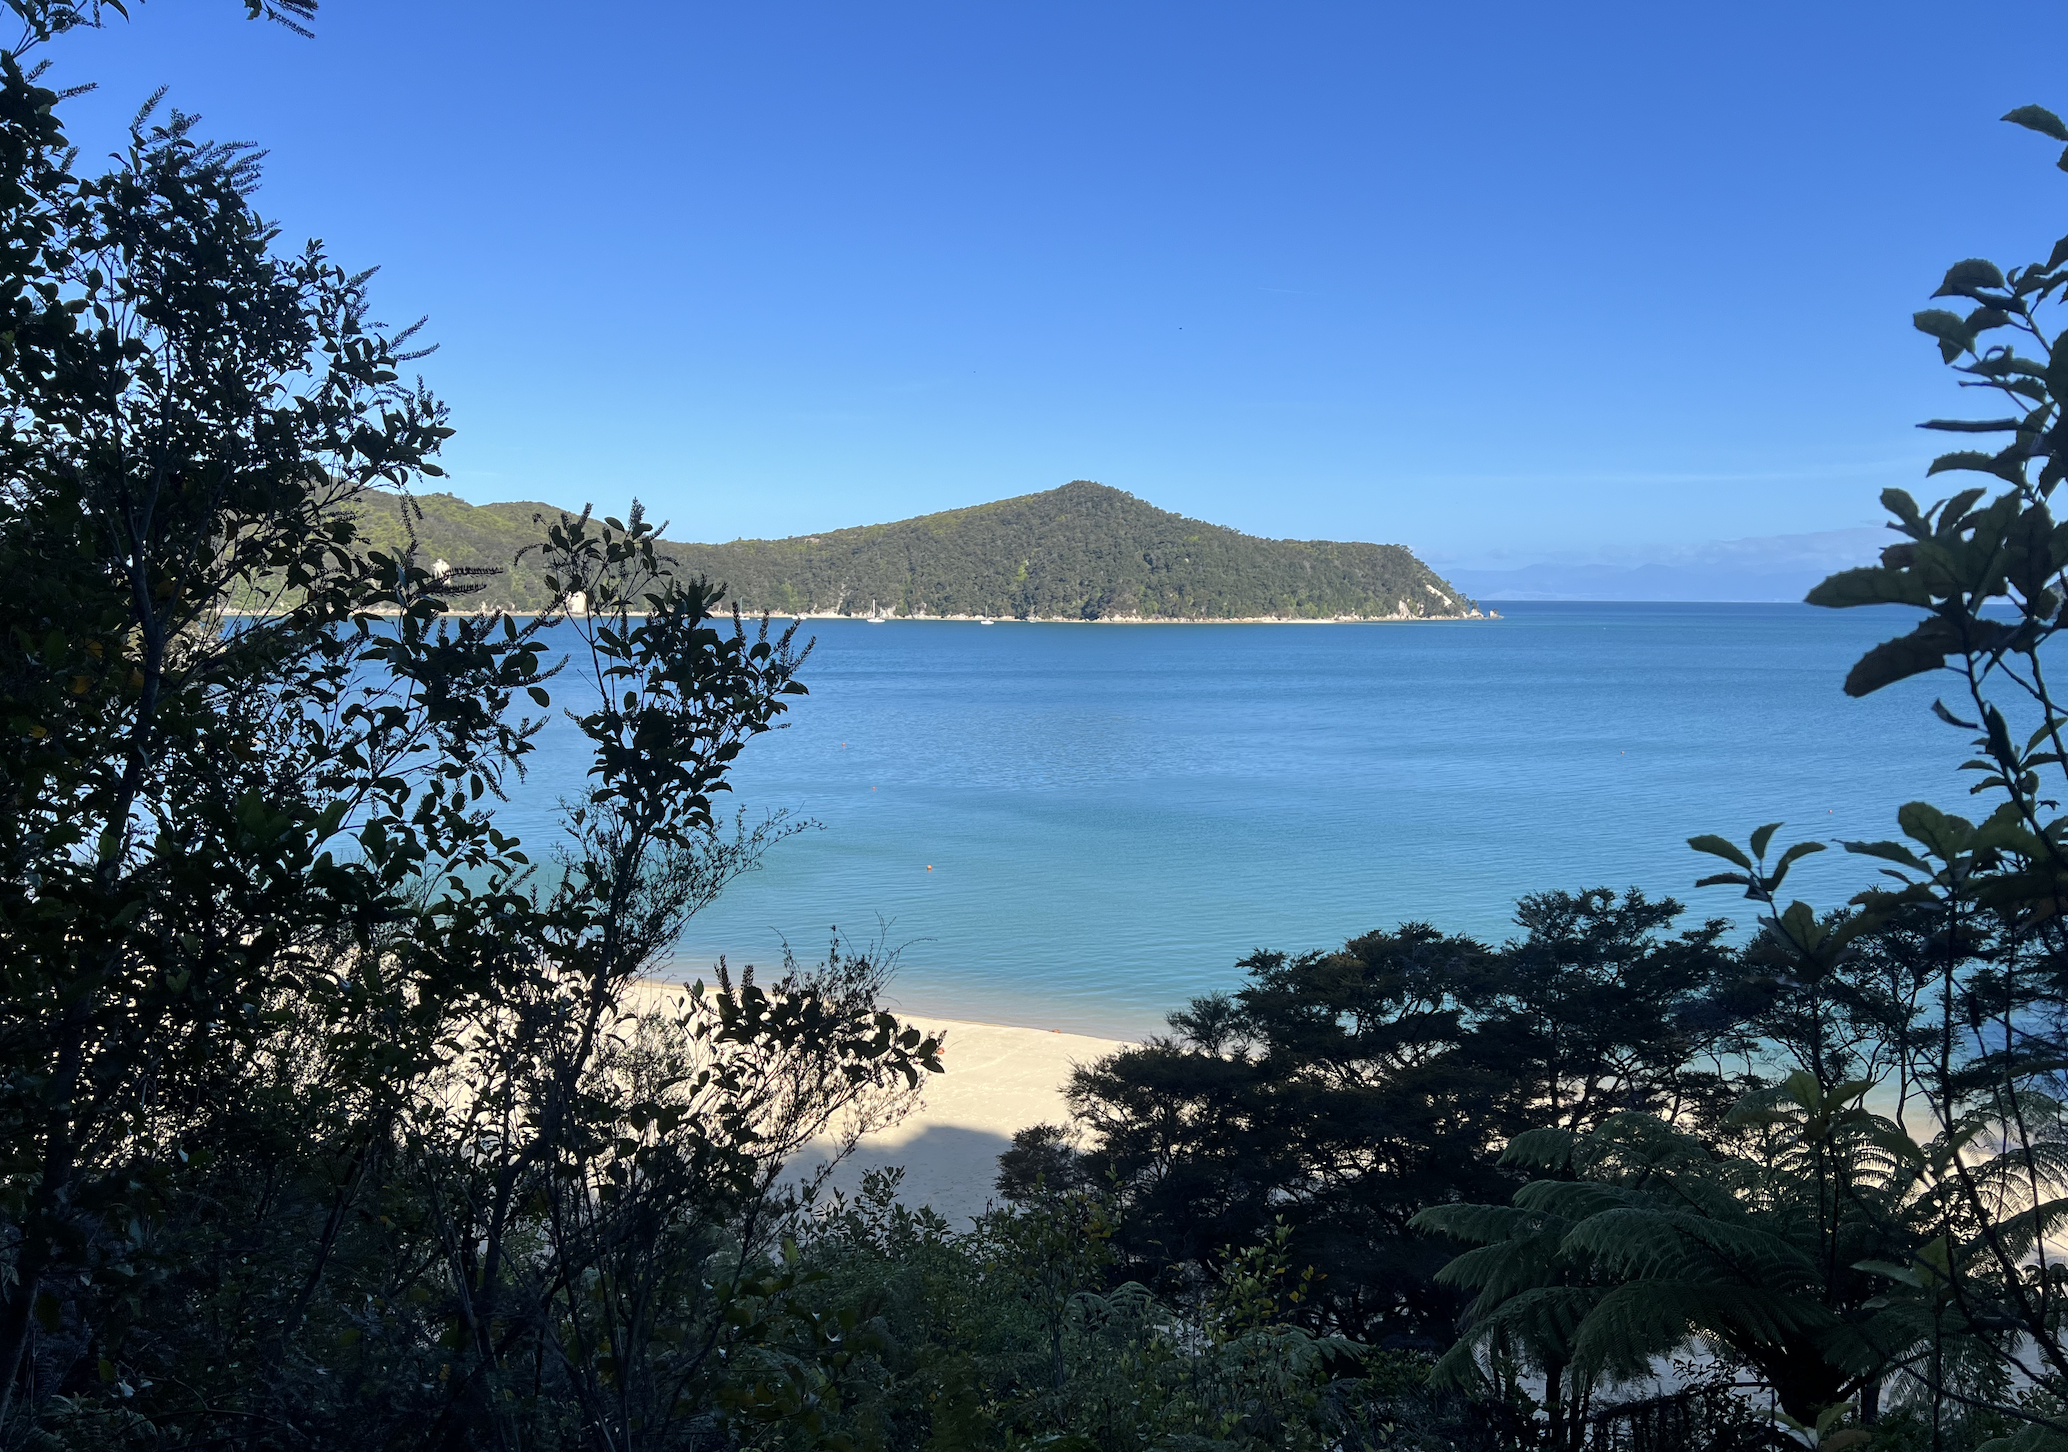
[1889,1236]
[297,1045]
[1347,1091]
[182,412]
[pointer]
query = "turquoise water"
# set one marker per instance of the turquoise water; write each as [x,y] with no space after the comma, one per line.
[1113,815]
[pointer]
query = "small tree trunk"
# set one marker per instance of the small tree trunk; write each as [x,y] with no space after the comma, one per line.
[35,1257]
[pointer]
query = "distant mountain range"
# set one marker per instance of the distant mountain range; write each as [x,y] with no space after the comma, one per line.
[1772,567]
[1081,552]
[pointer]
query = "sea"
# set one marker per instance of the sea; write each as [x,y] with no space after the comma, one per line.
[1082,827]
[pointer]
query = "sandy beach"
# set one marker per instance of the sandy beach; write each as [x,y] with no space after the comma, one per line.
[998,1079]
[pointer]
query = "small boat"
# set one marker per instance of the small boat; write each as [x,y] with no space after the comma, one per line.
[984,622]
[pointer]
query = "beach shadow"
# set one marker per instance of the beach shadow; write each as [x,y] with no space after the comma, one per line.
[948,1167]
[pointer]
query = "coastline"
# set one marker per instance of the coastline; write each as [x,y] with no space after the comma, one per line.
[1150,619]
[1001,619]
[996,1079]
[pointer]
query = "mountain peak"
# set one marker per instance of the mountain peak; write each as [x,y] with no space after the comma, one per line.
[1084,551]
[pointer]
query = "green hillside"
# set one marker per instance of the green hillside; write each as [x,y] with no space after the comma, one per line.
[465,536]
[1081,552]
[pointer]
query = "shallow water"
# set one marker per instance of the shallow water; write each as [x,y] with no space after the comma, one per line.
[1112,815]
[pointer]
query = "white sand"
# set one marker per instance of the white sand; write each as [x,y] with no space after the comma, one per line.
[998,1079]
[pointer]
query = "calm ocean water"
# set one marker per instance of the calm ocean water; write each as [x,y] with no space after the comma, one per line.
[1112,815]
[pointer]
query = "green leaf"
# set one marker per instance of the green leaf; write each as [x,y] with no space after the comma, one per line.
[1949,328]
[1953,512]
[1943,835]
[1973,425]
[1788,859]
[1722,847]
[1899,503]
[1794,854]
[1869,585]
[1923,649]
[1999,735]
[2038,118]
[1941,324]
[1802,1088]
[1890,1269]
[1763,835]
[1963,459]
[1724,879]
[1800,921]
[2006,365]
[1962,278]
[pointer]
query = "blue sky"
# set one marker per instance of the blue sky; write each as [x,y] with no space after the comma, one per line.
[1487,280]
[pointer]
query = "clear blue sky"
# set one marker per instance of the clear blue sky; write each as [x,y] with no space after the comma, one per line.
[1482,279]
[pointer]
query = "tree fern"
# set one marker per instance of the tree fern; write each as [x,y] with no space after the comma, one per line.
[1663,1245]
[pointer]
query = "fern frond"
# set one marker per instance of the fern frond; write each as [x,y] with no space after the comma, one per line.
[1540,1149]
[1474,1224]
[2021,1232]
[1458,1369]
[1542,1322]
[1901,1329]
[1574,1200]
[1642,1243]
[2032,1437]
[1499,1272]
[1629,1326]
[1634,1323]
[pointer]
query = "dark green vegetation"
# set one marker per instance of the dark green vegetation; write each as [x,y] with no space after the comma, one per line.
[493,547]
[1081,552]
[327,1118]
[1659,1182]
[336,1118]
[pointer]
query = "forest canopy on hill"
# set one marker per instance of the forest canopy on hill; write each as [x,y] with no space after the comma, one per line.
[1081,552]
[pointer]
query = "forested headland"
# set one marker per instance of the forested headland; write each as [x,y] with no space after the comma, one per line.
[332,1115]
[1081,552]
